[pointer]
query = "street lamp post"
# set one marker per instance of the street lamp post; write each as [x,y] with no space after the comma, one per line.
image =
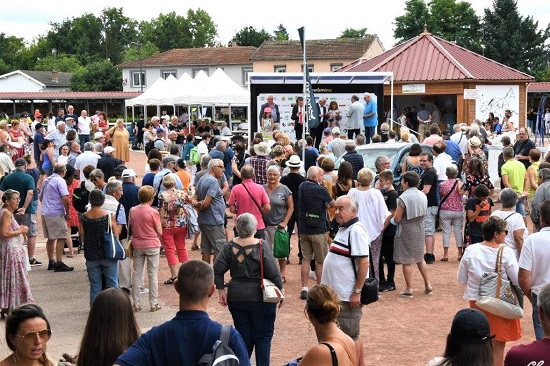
[141,77]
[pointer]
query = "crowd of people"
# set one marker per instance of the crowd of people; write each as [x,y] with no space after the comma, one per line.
[350,223]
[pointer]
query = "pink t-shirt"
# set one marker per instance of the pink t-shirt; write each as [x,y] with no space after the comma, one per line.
[432,139]
[143,220]
[454,201]
[242,200]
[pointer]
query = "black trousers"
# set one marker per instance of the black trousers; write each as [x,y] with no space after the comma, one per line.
[386,256]
[355,131]
[299,130]
[317,134]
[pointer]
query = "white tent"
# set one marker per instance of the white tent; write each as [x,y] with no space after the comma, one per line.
[187,88]
[220,89]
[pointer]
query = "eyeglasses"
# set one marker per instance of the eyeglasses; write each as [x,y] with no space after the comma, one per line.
[30,337]
[16,198]
[505,232]
[220,166]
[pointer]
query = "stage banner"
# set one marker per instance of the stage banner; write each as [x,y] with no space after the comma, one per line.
[312,107]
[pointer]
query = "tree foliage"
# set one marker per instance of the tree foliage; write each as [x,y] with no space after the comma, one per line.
[452,20]
[281,34]
[354,33]
[63,63]
[118,30]
[138,51]
[514,40]
[248,36]
[97,76]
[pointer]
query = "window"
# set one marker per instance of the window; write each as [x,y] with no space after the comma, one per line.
[279,68]
[334,67]
[309,68]
[245,72]
[138,81]
[195,71]
[166,73]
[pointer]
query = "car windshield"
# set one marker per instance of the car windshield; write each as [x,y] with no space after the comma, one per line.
[370,155]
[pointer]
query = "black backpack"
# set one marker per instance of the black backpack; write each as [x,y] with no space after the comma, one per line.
[222,354]
[81,197]
[150,145]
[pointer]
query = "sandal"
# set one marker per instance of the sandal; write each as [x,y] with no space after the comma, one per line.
[445,259]
[170,281]
[283,278]
[195,247]
[70,256]
[406,293]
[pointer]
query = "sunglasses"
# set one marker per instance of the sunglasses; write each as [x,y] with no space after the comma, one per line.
[30,337]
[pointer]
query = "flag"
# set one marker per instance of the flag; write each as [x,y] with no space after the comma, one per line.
[312,107]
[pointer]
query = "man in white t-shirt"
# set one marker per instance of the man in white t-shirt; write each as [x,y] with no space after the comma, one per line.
[442,160]
[83,127]
[88,157]
[534,268]
[202,147]
[346,267]
[459,138]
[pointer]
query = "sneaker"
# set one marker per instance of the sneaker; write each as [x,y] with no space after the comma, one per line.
[303,294]
[429,258]
[33,262]
[406,294]
[155,307]
[428,290]
[312,275]
[390,286]
[51,265]
[136,308]
[62,267]
[143,290]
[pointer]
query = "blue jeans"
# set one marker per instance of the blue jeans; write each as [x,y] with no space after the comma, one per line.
[255,321]
[520,207]
[369,132]
[539,332]
[109,268]
[83,139]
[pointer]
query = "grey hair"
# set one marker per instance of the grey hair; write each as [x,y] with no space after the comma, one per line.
[246,225]
[508,198]
[451,171]
[97,173]
[353,205]
[60,123]
[168,181]
[350,145]
[247,171]
[98,147]
[89,146]
[312,172]
[301,143]
[205,160]
[274,168]
[213,163]
[508,152]
[543,300]
[474,131]
[220,144]
[155,118]
[544,173]
[113,186]
[378,162]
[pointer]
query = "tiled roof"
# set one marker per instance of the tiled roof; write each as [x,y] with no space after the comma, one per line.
[67,95]
[348,48]
[45,77]
[430,58]
[538,88]
[197,57]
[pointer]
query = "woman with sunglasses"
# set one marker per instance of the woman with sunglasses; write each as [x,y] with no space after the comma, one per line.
[27,332]
[14,282]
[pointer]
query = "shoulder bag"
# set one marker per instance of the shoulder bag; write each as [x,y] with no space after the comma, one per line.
[113,248]
[369,291]
[496,295]
[441,203]
[271,293]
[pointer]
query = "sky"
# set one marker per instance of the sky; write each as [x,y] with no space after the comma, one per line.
[30,18]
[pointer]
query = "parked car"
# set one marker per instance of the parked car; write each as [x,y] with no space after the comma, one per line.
[395,152]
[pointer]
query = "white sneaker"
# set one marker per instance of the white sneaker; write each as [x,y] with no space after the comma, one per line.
[143,290]
[312,275]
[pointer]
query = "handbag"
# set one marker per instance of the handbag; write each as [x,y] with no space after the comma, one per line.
[271,293]
[496,295]
[111,244]
[369,291]
[281,243]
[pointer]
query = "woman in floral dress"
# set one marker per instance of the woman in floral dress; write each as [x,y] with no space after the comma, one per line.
[14,282]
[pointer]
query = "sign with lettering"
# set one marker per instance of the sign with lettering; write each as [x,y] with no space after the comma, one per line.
[413,88]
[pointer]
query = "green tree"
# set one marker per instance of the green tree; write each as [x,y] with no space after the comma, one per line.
[118,31]
[513,40]
[281,33]
[97,76]
[11,47]
[248,36]
[451,20]
[138,51]
[202,29]
[354,33]
[63,63]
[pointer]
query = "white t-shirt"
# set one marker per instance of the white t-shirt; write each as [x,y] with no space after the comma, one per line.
[514,221]
[461,140]
[84,125]
[225,131]
[535,258]
[202,148]
[372,210]
[86,158]
[441,162]
[337,269]
[480,258]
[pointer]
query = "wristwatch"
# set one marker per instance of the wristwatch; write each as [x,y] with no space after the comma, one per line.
[357,291]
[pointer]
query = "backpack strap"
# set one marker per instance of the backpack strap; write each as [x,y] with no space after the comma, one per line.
[225,333]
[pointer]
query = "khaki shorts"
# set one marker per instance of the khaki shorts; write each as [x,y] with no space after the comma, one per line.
[314,245]
[212,238]
[429,221]
[349,319]
[29,220]
[54,227]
